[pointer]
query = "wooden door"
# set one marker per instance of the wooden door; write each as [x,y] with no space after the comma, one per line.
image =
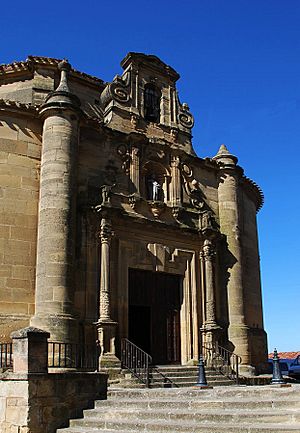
[154,308]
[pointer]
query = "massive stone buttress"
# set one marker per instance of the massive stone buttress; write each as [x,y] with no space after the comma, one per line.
[230,225]
[57,214]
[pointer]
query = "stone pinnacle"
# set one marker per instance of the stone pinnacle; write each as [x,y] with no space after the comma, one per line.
[224,156]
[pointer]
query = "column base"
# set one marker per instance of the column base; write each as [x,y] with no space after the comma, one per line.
[62,327]
[108,360]
[106,330]
[247,370]
[238,336]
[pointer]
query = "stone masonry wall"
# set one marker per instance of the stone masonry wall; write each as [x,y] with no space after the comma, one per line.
[41,403]
[19,182]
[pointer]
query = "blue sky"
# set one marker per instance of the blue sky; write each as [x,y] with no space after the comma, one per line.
[240,70]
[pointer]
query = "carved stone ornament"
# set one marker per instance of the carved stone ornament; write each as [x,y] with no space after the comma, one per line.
[185,117]
[156,207]
[174,133]
[186,170]
[123,152]
[118,90]
[196,198]
[133,199]
[209,251]
[177,212]
[207,220]
[134,120]
[106,232]
[192,188]
[106,191]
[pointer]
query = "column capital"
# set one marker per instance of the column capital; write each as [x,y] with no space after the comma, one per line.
[106,232]
[209,250]
[175,160]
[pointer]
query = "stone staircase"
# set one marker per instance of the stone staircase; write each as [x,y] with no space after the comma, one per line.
[180,376]
[185,376]
[232,409]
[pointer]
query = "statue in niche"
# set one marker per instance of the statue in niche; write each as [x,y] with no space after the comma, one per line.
[154,189]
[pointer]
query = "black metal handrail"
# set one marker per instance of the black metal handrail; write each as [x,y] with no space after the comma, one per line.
[6,356]
[166,379]
[222,360]
[71,355]
[136,360]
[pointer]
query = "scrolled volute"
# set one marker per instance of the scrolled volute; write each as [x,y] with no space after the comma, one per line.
[118,90]
[185,117]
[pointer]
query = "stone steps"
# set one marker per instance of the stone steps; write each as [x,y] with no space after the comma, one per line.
[233,409]
[181,376]
[229,403]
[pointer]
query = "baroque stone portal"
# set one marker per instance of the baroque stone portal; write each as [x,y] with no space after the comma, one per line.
[113,227]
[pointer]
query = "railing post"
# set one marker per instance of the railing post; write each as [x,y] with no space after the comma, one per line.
[237,369]
[147,375]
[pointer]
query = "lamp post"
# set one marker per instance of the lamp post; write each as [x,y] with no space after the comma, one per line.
[201,380]
[277,376]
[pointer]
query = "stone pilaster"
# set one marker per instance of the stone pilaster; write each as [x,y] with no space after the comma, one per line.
[175,181]
[135,169]
[57,214]
[106,327]
[230,225]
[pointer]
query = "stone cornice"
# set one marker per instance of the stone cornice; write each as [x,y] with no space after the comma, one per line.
[33,110]
[15,106]
[254,190]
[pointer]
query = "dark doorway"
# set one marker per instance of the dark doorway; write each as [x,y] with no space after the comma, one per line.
[154,314]
[140,326]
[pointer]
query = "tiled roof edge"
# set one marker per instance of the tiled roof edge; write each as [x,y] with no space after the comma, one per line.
[28,65]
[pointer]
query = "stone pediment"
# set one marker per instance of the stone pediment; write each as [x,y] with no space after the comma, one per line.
[150,61]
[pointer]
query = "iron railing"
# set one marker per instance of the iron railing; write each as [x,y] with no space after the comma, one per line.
[70,355]
[60,355]
[6,356]
[222,360]
[138,362]
[167,382]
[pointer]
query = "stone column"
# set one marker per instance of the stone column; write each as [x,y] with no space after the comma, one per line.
[57,214]
[106,327]
[230,225]
[176,181]
[210,301]
[105,239]
[210,327]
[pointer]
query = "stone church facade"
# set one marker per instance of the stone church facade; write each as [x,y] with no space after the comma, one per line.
[111,226]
